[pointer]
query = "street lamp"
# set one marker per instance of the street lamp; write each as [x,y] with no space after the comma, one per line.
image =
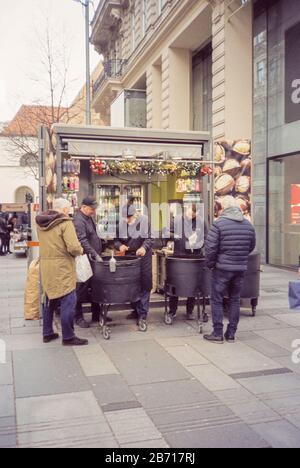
[86,5]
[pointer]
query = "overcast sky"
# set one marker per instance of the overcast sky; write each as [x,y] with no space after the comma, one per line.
[21,23]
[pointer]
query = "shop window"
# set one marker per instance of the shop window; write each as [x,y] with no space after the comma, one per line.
[202,89]
[284,211]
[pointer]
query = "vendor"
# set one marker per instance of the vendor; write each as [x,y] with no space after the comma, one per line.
[188,235]
[134,239]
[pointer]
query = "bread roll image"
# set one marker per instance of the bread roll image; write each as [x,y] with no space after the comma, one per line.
[242,147]
[232,167]
[219,154]
[224,184]
[243,184]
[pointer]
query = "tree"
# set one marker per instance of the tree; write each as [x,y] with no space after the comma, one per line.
[52,76]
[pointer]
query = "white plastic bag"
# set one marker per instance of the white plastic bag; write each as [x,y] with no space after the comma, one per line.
[84,270]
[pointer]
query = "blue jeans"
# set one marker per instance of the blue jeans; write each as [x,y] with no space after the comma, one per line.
[143,305]
[67,314]
[226,284]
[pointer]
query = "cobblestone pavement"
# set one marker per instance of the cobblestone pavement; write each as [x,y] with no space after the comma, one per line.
[165,388]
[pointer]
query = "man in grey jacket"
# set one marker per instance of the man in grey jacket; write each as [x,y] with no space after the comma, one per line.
[228,246]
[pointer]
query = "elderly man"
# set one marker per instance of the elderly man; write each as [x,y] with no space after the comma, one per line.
[228,246]
[92,245]
[59,247]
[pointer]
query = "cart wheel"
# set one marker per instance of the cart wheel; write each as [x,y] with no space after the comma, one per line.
[143,325]
[254,312]
[168,319]
[205,318]
[101,322]
[200,329]
[106,333]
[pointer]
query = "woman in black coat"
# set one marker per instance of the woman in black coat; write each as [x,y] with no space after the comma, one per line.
[134,239]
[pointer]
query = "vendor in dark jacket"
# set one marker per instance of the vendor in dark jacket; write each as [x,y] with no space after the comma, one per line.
[228,246]
[188,237]
[3,235]
[134,239]
[92,245]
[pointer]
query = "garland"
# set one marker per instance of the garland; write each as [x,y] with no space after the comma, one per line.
[180,169]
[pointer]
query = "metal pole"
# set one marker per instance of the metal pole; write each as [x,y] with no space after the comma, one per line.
[88,78]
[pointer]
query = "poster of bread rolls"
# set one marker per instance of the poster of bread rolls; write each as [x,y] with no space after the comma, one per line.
[232,177]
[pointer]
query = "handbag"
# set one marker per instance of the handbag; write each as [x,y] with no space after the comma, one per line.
[84,270]
[294,295]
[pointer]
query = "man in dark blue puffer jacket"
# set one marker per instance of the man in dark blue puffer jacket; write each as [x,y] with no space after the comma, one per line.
[228,246]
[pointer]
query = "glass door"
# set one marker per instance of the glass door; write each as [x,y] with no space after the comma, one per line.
[108,197]
[284,211]
[135,193]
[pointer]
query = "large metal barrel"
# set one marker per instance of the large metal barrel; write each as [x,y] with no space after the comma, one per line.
[187,276]
[120,287]
[251,284]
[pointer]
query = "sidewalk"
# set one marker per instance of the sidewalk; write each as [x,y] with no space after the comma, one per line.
[166,388]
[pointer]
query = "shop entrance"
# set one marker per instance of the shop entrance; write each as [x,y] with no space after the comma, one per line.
[284,211]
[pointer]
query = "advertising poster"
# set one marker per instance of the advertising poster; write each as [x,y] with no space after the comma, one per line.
[232,176]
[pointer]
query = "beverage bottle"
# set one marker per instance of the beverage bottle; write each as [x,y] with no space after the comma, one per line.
[112,264]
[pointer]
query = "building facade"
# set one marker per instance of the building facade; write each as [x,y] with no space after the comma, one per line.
[221,66]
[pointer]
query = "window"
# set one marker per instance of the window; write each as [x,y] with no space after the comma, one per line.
[261,75]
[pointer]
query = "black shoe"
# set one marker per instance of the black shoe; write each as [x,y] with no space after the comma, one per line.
[214,339]
[81,323]
[229,337]
[133,315]
[49,338]
[75,342]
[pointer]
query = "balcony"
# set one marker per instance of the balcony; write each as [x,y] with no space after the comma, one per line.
[112,69]
[107,18]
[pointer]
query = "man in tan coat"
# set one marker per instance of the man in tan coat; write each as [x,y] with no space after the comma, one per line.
[59,246]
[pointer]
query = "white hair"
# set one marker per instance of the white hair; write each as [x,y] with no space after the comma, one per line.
[60,204]
[230,202]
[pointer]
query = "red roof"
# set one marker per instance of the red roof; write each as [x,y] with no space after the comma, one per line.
[28,119]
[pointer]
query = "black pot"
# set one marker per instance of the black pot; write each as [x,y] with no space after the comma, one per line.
[187,276]
[251,284]
[120,287]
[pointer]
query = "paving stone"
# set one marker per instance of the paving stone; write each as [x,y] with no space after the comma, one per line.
[232,359]
[110,389]
[6,374]
[221,436]
[268,386]
[259,323]
[283,337]
[144,362]
[50,371]
[165,394]
[7,405]
[212,378]
[186,355]
[94,361]
[132,426]
[8,433]
[279,434]
[292,319]
[70,420]
[160,443]
[266,347]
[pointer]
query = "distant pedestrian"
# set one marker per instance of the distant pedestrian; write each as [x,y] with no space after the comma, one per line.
[3,236]
[59,246]
[228,246]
